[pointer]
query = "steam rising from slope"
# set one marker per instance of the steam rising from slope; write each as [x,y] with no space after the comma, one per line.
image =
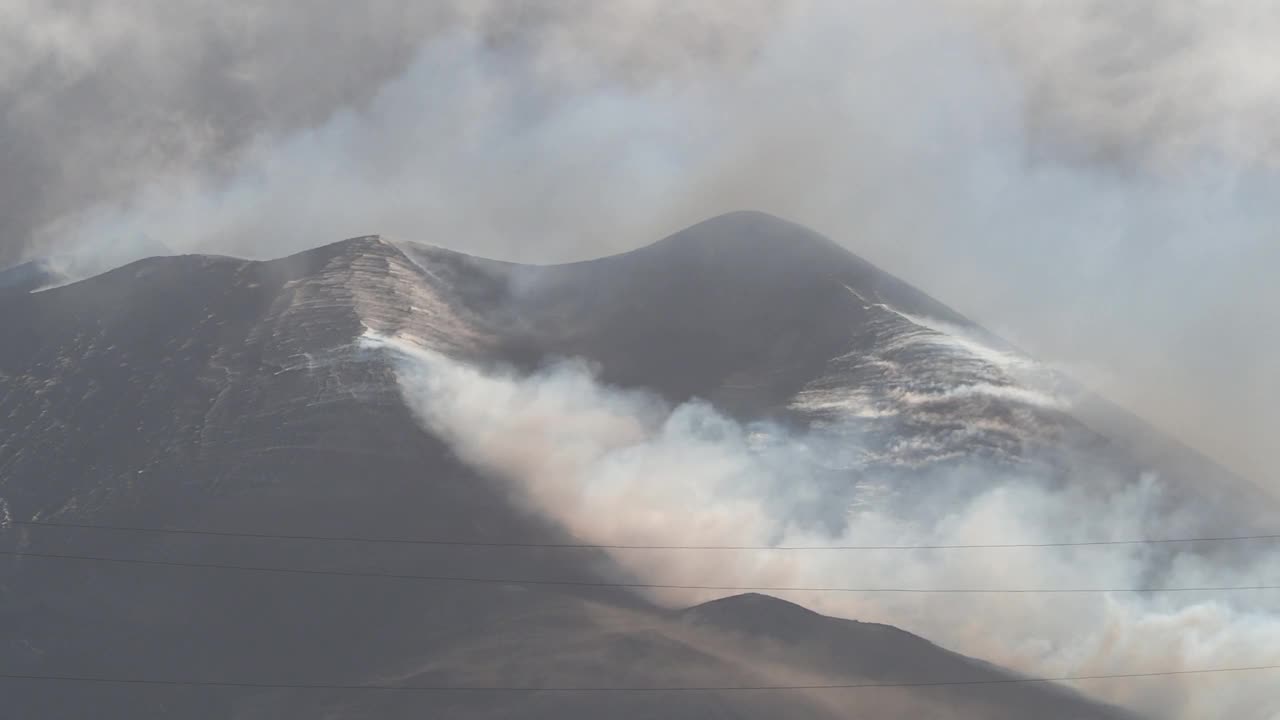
[619,467]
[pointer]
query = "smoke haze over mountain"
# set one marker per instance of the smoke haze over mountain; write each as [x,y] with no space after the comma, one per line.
[1094,180]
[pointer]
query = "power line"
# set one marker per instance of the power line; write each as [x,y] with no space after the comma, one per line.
[608,546]
[628,585]
[644,689]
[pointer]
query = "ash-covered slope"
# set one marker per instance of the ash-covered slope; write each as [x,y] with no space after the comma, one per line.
[232,395]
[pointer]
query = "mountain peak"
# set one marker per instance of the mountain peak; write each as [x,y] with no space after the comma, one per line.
[749,232]
[751,608]
[753,218]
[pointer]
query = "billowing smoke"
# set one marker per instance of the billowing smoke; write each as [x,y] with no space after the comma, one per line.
[621,467]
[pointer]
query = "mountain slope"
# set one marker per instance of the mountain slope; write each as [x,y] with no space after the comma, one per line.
[207,392]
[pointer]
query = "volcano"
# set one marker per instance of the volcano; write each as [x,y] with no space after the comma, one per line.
[235,396]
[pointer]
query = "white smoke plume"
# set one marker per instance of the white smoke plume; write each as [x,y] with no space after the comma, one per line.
[616,466]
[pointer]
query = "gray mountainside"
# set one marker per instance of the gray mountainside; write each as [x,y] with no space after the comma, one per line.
[233,395]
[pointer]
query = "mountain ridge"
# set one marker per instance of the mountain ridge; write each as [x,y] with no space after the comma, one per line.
[766,331]
[212,392]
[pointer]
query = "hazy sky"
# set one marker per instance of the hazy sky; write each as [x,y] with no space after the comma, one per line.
[1095,180]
